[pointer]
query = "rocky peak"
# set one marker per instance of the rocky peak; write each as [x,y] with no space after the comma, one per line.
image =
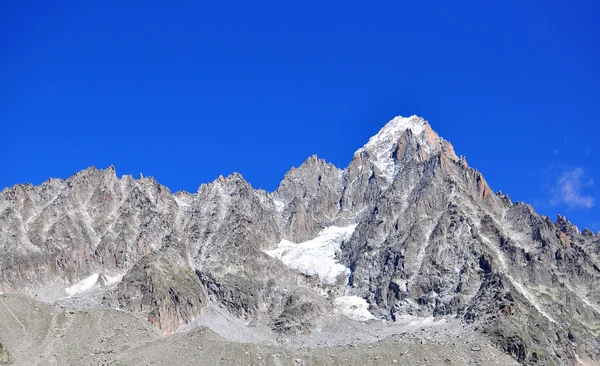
[233,179]
[565,226]
[308,196]
[402,140]
[505,198]
[315,162]
[390,133]
[397,138]
[311,175]
[417,128]
[587,232]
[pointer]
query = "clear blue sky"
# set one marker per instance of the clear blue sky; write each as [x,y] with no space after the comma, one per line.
[188,92]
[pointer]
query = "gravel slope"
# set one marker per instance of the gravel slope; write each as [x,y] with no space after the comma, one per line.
[36,333]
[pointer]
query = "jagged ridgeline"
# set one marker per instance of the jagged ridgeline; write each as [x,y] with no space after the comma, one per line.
[408,229]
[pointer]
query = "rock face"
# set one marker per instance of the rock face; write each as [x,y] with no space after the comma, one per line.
[432,239]
[165,288]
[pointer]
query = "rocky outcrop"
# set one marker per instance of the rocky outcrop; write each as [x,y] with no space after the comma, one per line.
[164,288]
[308,198]
[5,358]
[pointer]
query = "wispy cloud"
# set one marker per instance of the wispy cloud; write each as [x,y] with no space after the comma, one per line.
[569,187]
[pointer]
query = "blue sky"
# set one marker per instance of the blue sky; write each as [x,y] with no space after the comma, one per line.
[190,91]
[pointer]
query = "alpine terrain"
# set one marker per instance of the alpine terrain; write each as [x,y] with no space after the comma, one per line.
[406,256]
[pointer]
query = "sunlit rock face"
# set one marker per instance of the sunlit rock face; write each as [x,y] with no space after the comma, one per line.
[407,229]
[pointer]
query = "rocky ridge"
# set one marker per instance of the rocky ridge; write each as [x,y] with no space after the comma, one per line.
[431,240]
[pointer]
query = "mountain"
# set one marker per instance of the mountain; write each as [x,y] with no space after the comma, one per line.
[407,232]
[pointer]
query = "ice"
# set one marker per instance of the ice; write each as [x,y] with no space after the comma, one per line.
[83,285]
[353,307]
[316,256]
[88,283]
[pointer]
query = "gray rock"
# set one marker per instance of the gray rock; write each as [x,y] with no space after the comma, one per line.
[432,240]
[5,358]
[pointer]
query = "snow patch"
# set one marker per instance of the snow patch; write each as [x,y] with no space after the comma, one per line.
[83,285]
[353,307]
[279,205]
[113,279]
[410,322]
[90,282]
[316,256]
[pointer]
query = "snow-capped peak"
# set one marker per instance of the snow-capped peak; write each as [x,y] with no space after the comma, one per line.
[381,147]
[392,130]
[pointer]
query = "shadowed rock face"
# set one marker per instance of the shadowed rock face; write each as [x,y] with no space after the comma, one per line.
[432,240]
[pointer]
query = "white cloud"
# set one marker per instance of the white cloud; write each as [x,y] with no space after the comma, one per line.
[568,190]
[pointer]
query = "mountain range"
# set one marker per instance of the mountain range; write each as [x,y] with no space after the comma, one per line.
[407,246]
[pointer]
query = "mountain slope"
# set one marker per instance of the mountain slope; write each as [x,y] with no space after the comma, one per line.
[429,238]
